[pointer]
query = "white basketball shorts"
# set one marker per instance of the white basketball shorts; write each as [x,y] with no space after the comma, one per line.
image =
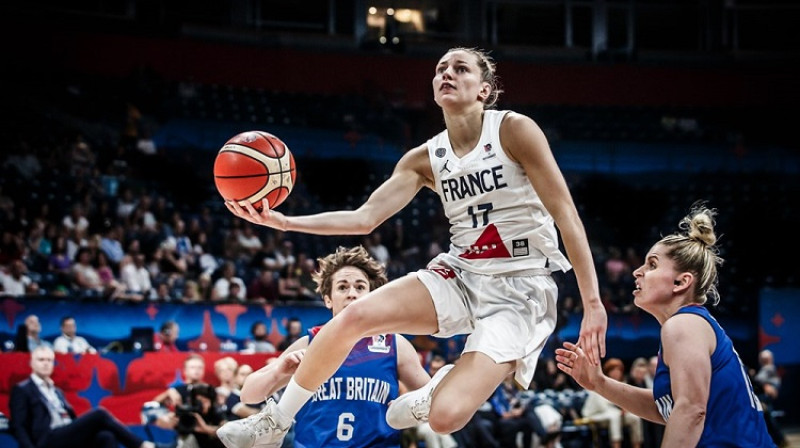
[508,318]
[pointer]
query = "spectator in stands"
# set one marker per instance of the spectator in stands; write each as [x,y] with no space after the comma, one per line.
[284,254]
[191,292]
[263,288]
[144,217]
[637,375]
[126,204]
[108,278]
[167,337]
[82,158]
[376,248]
[163,293]
[258,342]
[248,242]
[135,277]
[294,330]
[767,385]
[184,246]
[59,264]
[225,370]
[14,281]
[76,220]
[86,278]
[170,263]
[699,390]
[236,409]
[616,268]
[205,261]
[513,415]
[41,417]
[599,409]
[12,247]
[234,293]
[221,290]
[652,433]
[767,375]
[193,410]
[307,267]
[547,376]
[39,244]
[69,341]
[111,244]
[29,335]
[205,286]
[289,286]
[652,367]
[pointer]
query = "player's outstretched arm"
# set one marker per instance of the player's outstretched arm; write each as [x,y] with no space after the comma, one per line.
[526,143]
[573,361]
[408,178]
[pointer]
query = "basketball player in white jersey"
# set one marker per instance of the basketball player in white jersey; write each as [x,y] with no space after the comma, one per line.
[504,196]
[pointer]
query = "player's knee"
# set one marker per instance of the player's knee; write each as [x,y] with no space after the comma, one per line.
[354,319]
[447,419]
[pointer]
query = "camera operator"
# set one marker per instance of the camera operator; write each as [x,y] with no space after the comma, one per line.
[194,413]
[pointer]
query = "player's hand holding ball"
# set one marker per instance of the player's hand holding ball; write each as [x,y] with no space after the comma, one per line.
[255,172]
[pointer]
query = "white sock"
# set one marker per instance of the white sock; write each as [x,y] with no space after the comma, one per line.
[293,398]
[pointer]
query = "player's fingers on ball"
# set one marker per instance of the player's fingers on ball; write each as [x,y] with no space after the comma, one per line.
[250,209]
[237,209]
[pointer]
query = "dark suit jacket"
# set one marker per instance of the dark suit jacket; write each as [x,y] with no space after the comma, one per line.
[30,416]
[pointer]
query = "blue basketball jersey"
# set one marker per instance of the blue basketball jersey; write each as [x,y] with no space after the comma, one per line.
[349,410]
[734,417]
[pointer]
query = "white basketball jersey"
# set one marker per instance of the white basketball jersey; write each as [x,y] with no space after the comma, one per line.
[498,224]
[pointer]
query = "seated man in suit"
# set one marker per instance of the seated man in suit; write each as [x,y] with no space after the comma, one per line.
[42,418]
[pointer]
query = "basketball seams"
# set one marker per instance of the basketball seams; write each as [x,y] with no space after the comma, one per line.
[250,152]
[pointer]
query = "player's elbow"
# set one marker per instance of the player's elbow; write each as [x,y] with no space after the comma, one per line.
[694,414]
[366,221]
[365,226]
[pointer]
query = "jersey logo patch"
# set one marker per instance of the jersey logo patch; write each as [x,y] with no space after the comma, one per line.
[378,344]
[440,152]
[487,148]
[520,248]
[489,245]
[444,272]
[445,168]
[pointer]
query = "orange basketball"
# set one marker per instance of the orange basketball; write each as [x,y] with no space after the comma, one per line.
[254,165]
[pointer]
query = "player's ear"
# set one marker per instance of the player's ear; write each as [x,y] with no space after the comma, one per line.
[328,301]
[486,89]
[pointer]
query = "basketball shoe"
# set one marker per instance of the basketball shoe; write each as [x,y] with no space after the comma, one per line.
[412,408]
[266,429]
